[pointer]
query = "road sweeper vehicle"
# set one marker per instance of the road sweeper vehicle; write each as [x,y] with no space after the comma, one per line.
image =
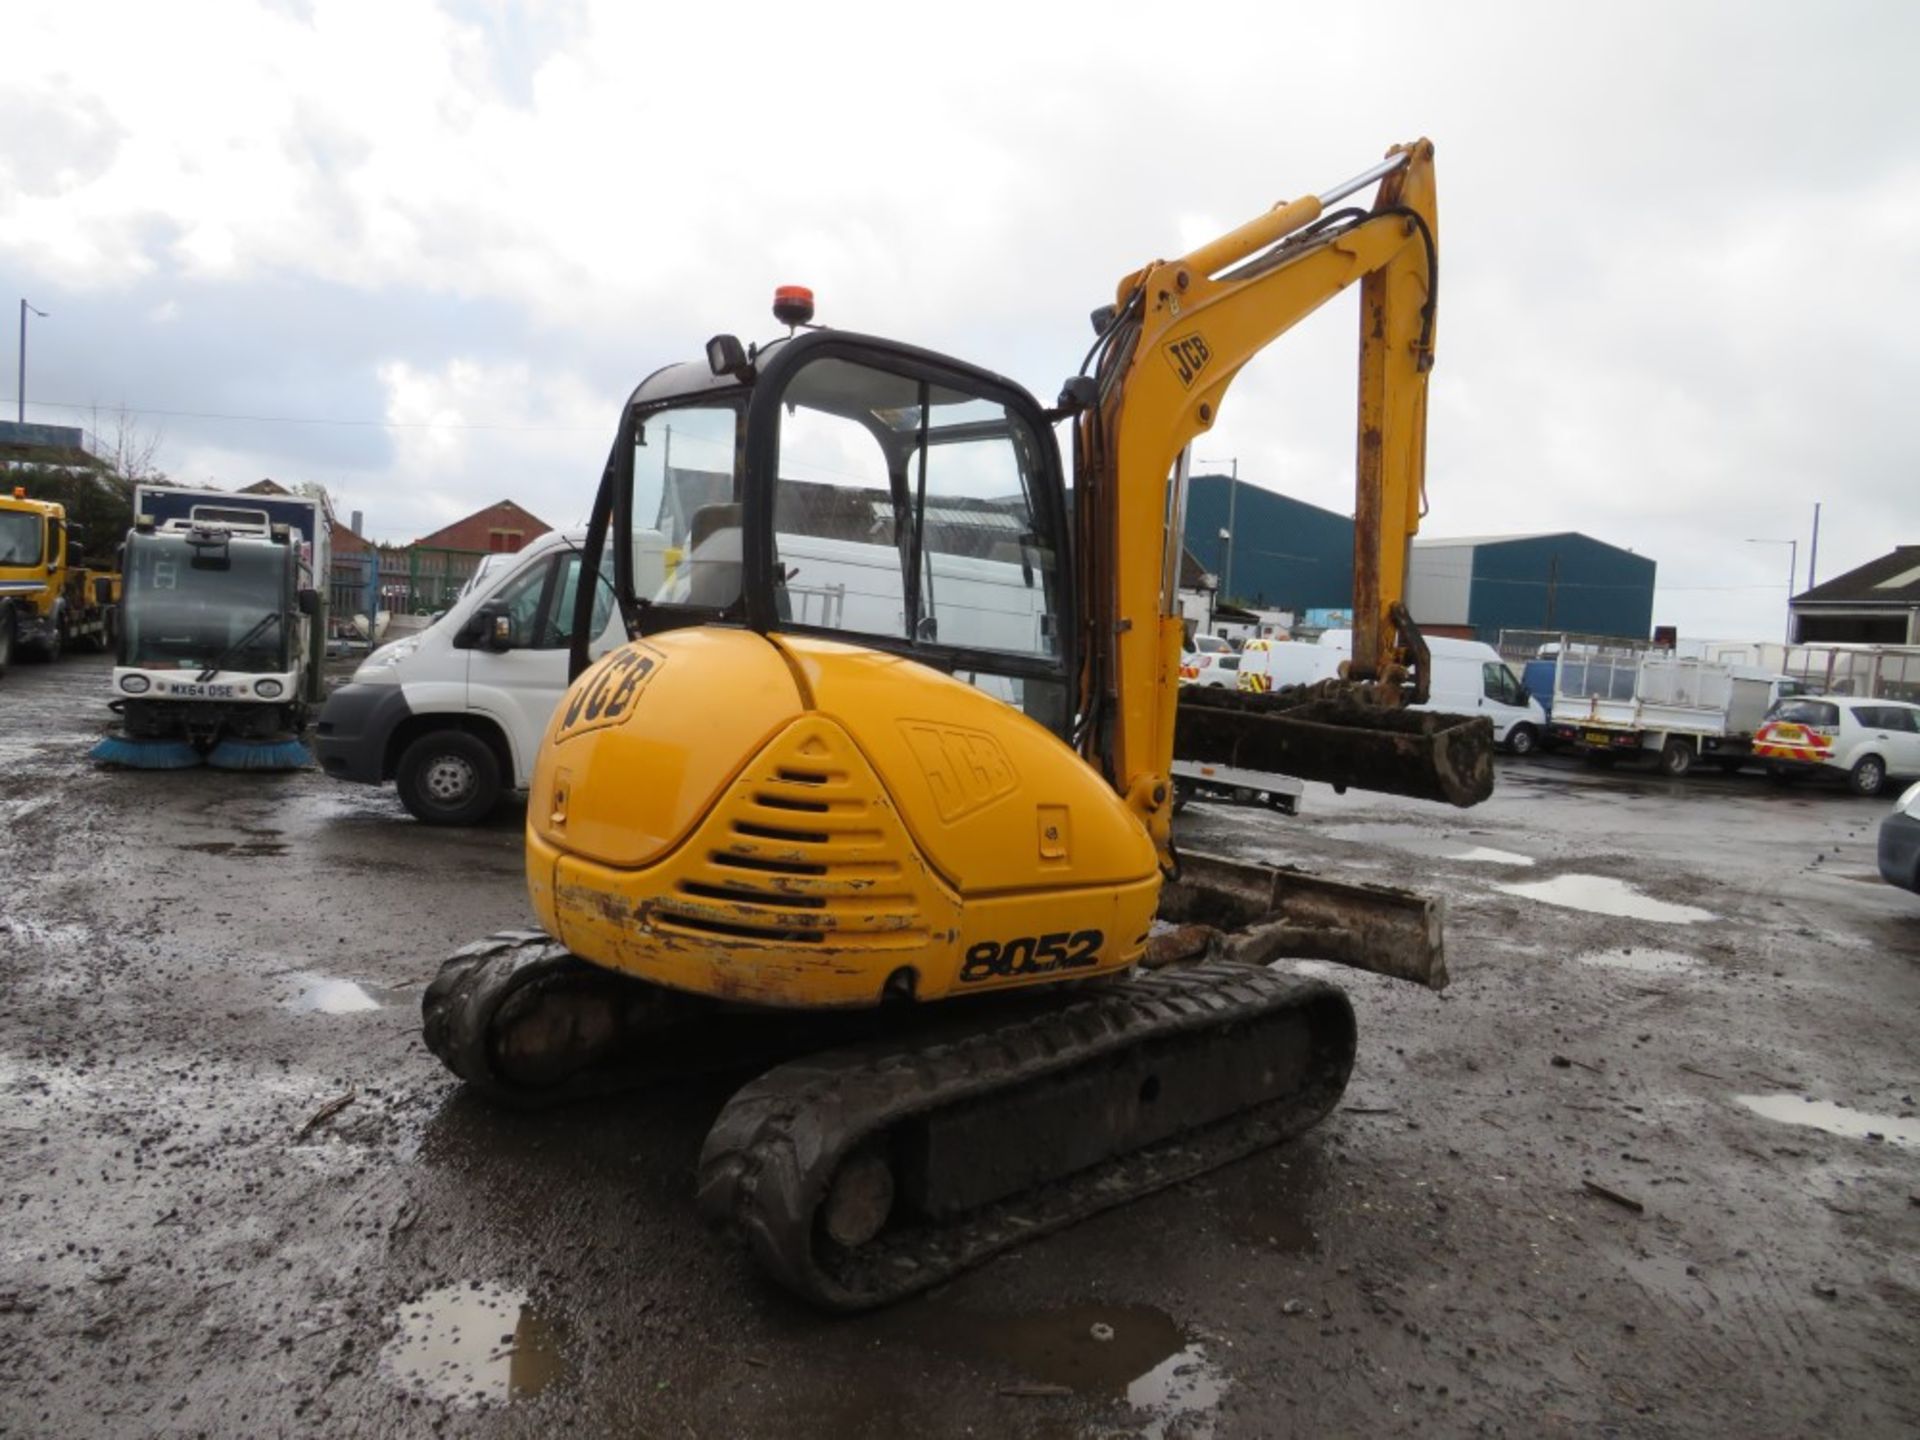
[842,813]
[220,639]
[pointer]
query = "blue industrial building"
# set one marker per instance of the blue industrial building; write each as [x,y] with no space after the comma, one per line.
[1284,554]
[1287,555]
[1565,581]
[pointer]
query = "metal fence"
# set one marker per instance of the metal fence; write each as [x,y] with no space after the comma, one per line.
[1600,665]
[1873,672]
[1520,646]
[413,580]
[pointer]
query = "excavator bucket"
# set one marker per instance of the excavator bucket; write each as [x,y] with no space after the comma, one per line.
[1256,913]
[1323,735]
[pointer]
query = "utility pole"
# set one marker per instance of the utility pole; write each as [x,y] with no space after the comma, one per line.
[21,413]
[1813,551]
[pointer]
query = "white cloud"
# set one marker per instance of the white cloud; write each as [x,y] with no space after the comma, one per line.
[469,433]
[1676,251]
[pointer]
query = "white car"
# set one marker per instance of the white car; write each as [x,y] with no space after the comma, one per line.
[1193,664]
[1866,740]
[1222,674]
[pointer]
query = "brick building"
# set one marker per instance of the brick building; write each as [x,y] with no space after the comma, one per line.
[502,528]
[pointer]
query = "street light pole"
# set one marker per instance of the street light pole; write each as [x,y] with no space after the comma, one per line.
[1793,569]
[21,414]
[1233,498]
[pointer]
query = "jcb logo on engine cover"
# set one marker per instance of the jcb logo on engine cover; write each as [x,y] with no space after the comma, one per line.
[1189,356]
[606,693]
[1031,955]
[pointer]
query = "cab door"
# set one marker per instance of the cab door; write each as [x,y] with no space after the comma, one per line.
[1901,726]
[1501,698]
[520,685]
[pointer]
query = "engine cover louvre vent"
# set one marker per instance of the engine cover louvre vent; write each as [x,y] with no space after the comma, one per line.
[805,849]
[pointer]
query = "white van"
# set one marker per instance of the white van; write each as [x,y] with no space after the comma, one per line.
[454,714]
[1469,678]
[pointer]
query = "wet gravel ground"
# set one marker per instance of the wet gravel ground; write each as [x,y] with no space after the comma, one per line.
[241,1199]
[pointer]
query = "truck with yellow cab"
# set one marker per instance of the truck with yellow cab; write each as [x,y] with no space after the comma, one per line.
[50,598]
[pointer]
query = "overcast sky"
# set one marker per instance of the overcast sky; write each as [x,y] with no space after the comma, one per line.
[435,244]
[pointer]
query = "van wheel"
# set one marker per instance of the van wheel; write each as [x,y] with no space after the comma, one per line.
[6,641]
[1523,739]
[1182,794]
[1868,776]
[448,778]
[1676,757]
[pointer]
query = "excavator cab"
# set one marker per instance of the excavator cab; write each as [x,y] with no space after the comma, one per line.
[855,489]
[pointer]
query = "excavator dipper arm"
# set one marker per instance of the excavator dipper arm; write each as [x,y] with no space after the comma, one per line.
[1181,331]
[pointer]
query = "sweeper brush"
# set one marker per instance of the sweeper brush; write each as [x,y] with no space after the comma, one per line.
[127,753]
[285,753]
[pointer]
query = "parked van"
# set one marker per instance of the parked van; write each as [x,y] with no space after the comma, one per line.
[454,715]
[1469,678]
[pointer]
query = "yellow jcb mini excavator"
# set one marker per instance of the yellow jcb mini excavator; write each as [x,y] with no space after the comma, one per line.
[878,795]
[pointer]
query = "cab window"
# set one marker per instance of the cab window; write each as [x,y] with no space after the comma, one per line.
[912,511]
[556,621]
[905,509]
[684,462]
[1818,713]
[520,598]
[1498,683]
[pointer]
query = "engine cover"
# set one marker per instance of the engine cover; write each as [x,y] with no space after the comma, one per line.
[800,823]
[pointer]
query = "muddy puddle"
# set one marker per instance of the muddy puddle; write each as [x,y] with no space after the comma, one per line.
[1136,1353]
[1641,960]
[1834,1119]
[238,849]
[326,995]
[474,1345]
[1425,842]
[1603,895]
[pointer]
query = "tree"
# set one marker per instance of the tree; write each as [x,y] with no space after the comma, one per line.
[129,449]
[96,488]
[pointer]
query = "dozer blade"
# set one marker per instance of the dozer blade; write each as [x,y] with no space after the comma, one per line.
[1342,742]
[1256,913]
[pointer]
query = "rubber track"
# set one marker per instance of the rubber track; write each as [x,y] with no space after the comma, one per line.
[774,1150]
[663,1035]
[471,985]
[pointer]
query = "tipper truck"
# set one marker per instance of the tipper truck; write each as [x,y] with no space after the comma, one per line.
[1608,702]
[49,597]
